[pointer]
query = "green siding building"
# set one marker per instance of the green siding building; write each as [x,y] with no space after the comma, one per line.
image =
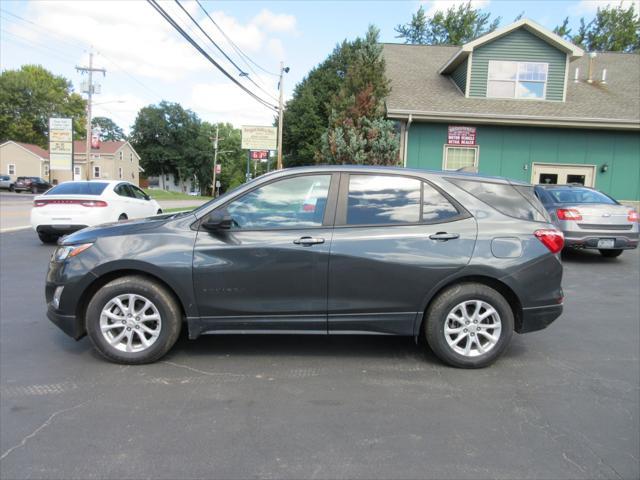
[523,103]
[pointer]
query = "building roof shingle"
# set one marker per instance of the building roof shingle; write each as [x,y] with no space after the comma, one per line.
[35,149]
[108,147]
[418,88]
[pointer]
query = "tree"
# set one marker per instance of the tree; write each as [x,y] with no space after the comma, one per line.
[169,140]
[29,97]
[109,131]
[455,26]
[358,132]
[613,29]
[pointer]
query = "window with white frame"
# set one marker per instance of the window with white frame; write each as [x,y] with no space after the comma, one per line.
[46,169]
[76,171]
[11,169]
[120,155]
[456,157]
[130,157]
[96,171]
[119,172]
[517,80]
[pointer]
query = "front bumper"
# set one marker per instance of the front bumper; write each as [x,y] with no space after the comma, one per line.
[538,318]
[69,324]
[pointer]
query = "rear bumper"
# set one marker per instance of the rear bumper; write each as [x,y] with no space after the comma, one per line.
[59,229]
[590,239]
[538,318]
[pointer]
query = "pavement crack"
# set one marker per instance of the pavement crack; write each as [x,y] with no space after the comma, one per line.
[24,441]
[204,372]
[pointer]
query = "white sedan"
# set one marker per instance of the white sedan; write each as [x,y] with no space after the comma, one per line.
[71,206]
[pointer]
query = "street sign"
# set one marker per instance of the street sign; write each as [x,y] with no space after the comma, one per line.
[218,184]
[60,144]
[259,138]
[259,154]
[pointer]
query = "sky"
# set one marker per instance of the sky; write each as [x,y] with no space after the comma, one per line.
[147,61]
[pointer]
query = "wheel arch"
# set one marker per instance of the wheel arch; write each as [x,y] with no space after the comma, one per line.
[111,275]
[505,290]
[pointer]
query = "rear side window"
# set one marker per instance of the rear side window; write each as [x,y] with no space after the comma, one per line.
[78,188]
[383,200]
[515,201]
[435,207]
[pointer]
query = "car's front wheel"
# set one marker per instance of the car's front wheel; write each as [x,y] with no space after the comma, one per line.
[611,253]
[469,325]
[133,320]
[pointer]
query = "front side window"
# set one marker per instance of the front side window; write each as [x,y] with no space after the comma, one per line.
[517,79]
[456,158]
[139,194]
[297,202]
[383,200]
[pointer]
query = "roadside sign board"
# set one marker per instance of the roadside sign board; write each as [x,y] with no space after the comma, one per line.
[256,137]
[259,154]
[60,144]
[460,135]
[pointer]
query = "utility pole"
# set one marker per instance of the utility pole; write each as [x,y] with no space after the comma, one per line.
[283,70]
[215,161]
[89,91]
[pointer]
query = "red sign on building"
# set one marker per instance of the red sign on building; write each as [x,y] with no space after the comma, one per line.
[460,135]
[259,154]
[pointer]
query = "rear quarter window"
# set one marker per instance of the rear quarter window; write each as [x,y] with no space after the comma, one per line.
[516,201]
[78,188]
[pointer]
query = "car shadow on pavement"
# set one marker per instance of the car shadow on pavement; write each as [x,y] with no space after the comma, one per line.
[590,256]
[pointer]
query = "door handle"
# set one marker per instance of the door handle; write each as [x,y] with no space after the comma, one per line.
[308,241]
[444,236]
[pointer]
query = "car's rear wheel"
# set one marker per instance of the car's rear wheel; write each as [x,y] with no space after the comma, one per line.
[611,253]
[159,212]
[48,238]
[469,325]
[123,216]
[133,320]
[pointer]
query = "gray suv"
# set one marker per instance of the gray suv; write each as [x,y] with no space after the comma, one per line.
[459,259]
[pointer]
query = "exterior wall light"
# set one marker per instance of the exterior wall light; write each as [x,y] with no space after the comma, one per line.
[604,168]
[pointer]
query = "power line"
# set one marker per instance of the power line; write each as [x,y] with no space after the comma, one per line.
[195,45]
[243,55]
[242,72]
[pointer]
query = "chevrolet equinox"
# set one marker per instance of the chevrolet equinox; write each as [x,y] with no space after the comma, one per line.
[462,260]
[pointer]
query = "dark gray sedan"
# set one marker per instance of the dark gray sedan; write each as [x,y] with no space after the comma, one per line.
[590,219]
[459,259]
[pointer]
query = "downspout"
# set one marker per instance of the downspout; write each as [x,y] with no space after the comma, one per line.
[406,140]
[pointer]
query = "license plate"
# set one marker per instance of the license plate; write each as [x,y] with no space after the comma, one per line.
[606,243]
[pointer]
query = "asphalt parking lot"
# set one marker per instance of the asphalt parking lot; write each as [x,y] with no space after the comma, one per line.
[561,403]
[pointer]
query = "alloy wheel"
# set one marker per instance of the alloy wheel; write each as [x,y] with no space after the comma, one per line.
[472,328]
[130,323]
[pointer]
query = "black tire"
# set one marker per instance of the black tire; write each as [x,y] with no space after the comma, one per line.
[48,238]
[440,308]
[159,212]
[611,253]
[123,216]
[34,190]
[11,188]
[164,301]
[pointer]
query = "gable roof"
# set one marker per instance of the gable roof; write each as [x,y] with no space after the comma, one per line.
[107,148]
[418,89]
[539,31]
[35,149]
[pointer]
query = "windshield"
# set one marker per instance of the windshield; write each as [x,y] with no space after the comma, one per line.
[78,188]
[579,195]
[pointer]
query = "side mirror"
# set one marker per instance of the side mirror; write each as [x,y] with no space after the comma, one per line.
[218,221]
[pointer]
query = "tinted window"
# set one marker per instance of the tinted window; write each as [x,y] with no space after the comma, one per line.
[383,200]
[138,193]
[435,207]
[297,202]
[78,188]
[515,202]
[579,195]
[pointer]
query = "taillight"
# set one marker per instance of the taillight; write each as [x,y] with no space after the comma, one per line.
[93,203]
[84,203]
[568,214]
[633,216]
[552,239]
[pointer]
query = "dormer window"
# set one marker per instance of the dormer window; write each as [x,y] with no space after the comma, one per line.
[517,80]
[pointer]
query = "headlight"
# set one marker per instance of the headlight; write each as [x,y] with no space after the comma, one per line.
[68,251]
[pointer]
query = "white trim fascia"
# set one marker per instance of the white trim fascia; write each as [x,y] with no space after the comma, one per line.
[619,124]
[452,59]
[467,85]
[566,79]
